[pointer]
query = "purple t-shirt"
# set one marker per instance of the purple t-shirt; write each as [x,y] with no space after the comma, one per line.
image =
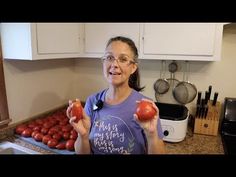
[113,128]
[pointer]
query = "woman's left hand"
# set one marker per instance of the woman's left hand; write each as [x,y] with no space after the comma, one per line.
[149,126]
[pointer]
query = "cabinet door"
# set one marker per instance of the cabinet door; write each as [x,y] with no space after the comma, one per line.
[34,41]
[98,34]
[181,41]
[56,38]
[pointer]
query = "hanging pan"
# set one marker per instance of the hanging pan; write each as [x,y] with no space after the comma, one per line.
[185,92]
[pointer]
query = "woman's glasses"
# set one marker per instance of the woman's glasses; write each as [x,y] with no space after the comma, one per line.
[121,60]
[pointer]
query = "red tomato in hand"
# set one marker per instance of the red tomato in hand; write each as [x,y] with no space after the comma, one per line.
[77,110]
[145,111]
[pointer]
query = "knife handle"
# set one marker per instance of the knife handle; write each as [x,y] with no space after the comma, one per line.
[209,92]
[206,96]
[199,98]
[215,99]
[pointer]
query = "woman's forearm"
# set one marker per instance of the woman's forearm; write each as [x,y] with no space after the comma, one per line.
[82,145]
[155,145]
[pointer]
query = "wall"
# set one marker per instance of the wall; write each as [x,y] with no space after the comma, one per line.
[34,87]
[219,74]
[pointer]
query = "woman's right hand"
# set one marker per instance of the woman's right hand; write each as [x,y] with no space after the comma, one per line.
[83,125]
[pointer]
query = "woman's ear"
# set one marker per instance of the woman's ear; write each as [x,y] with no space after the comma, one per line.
[134,68]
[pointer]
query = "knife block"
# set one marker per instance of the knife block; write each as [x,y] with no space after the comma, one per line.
[208,125]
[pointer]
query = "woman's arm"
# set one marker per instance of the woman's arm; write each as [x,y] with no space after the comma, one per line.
[82,145]
[154,142]
[155,145]
[82,127]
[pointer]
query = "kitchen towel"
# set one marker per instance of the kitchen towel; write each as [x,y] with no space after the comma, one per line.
[41,145]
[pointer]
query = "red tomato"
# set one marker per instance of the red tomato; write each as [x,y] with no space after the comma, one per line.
[53,122]
[20,128]
[61,145]
[32,124]
[70,145]
[38,128]
[34,133]
[77,110]
[52,143]
[67,128]
[57,136]
[145,111]
[51,132]
[38,137]
[47,124]
[66,135]
[73,137]
[27,132]
[39,121]
[46,138]
[73,131]
[63,122]
[44,130]
[56,128]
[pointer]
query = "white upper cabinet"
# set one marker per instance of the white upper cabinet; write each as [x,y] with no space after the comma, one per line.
[34,41]
[181,41]
[159,41]
[96,36]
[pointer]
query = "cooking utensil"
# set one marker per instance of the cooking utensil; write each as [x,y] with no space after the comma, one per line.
[168,96]
[173,67]
[185,92]
[161,86]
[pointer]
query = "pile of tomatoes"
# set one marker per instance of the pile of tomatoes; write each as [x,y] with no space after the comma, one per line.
[54,131]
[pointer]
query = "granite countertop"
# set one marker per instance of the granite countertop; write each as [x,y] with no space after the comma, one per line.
[192,144]
[196,144]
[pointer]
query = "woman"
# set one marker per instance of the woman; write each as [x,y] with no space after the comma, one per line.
[111,126]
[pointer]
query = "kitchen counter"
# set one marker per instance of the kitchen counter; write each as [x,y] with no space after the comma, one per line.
[192,144]
[196,144]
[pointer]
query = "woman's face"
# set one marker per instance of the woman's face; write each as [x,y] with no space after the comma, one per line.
[118,63]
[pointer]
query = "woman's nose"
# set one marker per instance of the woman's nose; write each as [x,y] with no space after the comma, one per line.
[115,62]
